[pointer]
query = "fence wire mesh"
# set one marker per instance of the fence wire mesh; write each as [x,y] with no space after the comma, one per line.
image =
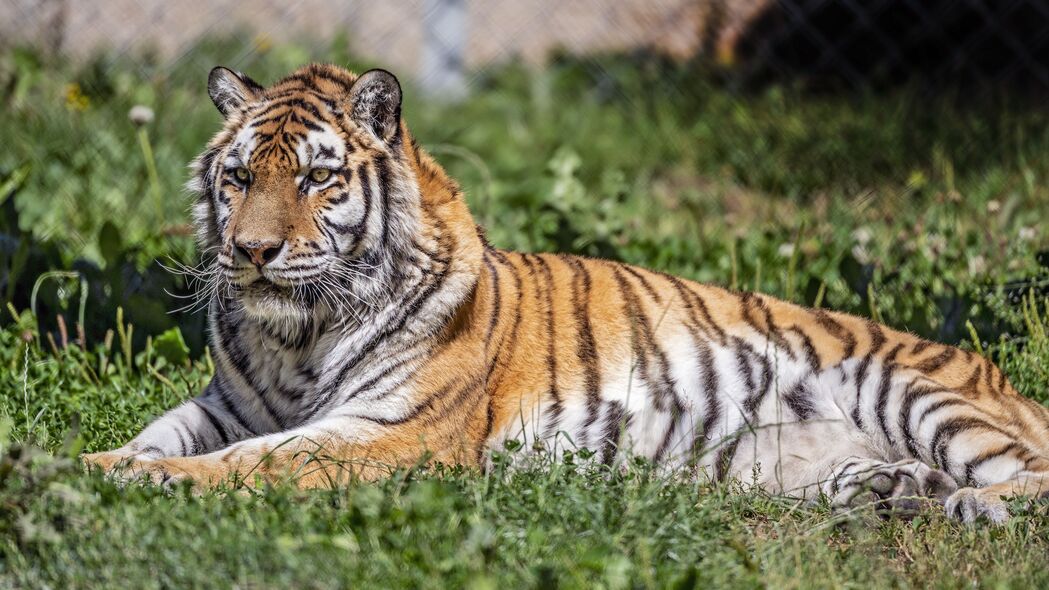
[450,48]
[856,44]
[879,42]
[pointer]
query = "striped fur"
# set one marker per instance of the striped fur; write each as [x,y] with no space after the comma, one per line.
[387,331]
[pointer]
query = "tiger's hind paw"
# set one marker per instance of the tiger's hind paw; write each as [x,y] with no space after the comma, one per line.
[897,489]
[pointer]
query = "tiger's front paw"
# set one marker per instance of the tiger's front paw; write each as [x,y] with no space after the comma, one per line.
[127,468]
[970,504]
[108,461]
[203,473]
[159,472]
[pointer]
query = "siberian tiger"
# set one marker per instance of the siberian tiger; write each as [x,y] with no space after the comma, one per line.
[360,320]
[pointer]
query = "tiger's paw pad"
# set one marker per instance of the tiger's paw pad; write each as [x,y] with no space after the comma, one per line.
[897,489]
[971,504]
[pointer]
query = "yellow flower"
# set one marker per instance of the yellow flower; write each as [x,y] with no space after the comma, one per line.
[725,55]
[263,43]
[76,101]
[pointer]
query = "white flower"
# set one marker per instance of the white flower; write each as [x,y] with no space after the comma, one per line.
[862,236]
[786,250]
[977,265]
[1028,233]
[937,245]
[994,206]
[140,115]
[861,254]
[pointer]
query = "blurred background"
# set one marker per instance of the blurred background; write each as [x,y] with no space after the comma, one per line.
[882,157]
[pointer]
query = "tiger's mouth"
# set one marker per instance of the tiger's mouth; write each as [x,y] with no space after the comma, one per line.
[264,287]
[266,299]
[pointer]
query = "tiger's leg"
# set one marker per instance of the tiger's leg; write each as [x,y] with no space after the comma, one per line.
[899,487]
[826,457]
[903,398]
[936,404]
[323,454]
[996,461]
[200,425]
[992,443]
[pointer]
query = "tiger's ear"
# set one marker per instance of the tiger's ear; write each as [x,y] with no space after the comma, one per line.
[375,104]
[229,90]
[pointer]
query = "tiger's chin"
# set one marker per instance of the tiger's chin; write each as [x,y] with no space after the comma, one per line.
[270,303]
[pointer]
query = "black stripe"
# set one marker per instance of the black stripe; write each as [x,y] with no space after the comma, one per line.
[551,344]
[989,376]
[877,337]
[228,338]
[799,400]
[493,320]
[216,424]
[920,346]
[710,389]
[808,347]
[644,283]
[947,430]
[774,331]
[881,403]
[694,303]
[152,450]
[382,172]
[417,411]
[290,100]
[933,364]
[758,391]
[747,303]
[339,198]
[646,344]
[983,457]
[231,408]
[184,451]
[971,386]
[861,378]
[496,361]
[912,393]
[615,424]
[195,444]
[743,363]
[835,329]
[943,403]
[358,229]
[586,349]
[723,459]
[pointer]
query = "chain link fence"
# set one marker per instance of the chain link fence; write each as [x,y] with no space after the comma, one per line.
[450,48]
[865,43]
[855,44]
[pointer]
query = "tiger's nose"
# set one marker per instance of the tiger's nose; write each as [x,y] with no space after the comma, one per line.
[260,253]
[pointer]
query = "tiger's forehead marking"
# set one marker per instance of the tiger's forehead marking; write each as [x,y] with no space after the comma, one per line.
[322,147]
[242,146]
[292,136]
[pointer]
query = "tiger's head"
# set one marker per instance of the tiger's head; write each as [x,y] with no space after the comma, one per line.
[309,197]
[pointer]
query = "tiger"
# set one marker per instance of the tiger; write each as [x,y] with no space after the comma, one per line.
[360,322]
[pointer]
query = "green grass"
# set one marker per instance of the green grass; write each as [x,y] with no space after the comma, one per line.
[547,524]
[919,212]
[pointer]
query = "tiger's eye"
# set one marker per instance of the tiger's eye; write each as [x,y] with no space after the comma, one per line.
[242,174]
[319,175]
